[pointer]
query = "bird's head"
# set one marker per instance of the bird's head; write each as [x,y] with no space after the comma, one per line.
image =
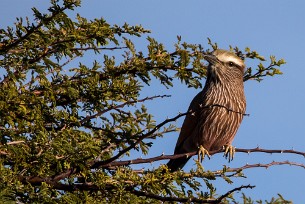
[224,65]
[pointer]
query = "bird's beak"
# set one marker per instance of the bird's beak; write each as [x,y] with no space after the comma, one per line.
[211,58]
[212,70]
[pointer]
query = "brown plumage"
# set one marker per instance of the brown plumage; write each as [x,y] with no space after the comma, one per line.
[217,111]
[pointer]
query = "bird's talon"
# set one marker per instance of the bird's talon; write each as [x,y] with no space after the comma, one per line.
[202,152]
[229,152]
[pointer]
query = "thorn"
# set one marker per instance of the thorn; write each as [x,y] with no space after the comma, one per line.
[162,154]
[248,152]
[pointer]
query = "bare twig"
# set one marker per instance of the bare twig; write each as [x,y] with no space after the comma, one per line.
[260,165]
[271,151]
[15,142]
[228,109]
[87,118]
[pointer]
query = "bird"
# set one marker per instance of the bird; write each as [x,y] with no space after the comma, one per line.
[215,113]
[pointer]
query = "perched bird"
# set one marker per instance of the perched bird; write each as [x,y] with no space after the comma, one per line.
[216,112]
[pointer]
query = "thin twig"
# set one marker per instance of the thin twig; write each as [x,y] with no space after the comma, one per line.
[97,48]
[232,191]
[87,118]
[15,142]
[258,73]
[267,165]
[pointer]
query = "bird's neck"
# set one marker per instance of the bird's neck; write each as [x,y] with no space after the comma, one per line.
[225,94]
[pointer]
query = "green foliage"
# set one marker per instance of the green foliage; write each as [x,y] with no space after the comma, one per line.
[63,127]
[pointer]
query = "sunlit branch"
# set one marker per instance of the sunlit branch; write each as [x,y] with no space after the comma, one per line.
[267,165]
[176,156]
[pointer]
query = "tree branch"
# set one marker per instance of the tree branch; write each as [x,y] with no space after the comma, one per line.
[142,137]
[271,151]
[258,73]
[191,199]
[260,165]
[97,48]
[87,118]
[6,48]
[176,156]
[35,28]
[232,191]
[90,186]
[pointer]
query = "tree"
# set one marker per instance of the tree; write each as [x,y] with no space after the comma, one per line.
[65,128]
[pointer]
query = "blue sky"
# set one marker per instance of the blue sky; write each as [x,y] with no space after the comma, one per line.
[275,105]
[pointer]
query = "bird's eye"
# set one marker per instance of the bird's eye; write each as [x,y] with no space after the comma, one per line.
[231,64]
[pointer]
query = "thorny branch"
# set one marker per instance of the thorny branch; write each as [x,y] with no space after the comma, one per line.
[259,165]
[176,156]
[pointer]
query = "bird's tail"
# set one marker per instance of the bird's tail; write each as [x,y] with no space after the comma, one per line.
[175,164]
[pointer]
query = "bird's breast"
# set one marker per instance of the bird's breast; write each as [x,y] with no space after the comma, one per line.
[221,114]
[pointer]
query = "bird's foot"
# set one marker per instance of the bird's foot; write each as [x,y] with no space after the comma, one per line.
[229,152]
[202,152]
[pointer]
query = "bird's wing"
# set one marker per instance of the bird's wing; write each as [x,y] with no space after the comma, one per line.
[190,122]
